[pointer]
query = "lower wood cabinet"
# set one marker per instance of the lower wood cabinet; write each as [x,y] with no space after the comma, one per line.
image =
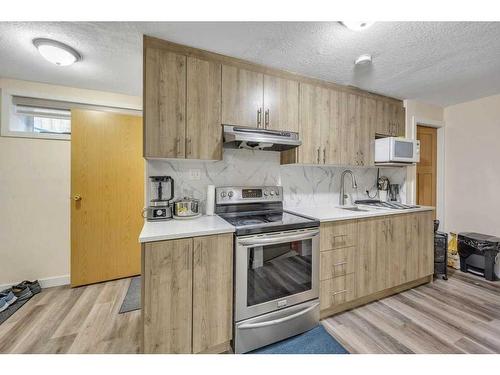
[187,288]
[359,259]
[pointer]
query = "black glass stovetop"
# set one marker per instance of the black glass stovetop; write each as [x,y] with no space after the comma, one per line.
[267,221]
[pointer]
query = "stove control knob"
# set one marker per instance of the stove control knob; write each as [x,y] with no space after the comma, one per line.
[223,194]
[277,192]
[272,192]
[230,194]
[266,193]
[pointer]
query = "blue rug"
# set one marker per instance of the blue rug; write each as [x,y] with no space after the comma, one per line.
[315,341]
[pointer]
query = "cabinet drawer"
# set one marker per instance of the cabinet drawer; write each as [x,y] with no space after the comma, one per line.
[334,263]
[338,234]
[336,291]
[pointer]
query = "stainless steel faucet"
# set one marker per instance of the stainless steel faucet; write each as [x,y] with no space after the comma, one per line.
[343,195]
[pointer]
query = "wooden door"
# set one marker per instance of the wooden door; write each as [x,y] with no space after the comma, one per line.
[164,104]
[427,168]
[212,291]
[281,104]
[107,185]
[242,97]
[167,296]
[203,128]
[314,116]
[371,263]
[332,142]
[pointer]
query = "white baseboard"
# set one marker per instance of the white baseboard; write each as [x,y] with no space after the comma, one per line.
[47,282]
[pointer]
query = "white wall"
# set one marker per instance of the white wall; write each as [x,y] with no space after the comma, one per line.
[35,192]
[473,166]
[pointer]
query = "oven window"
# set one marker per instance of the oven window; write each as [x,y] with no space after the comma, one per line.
[278,271]
[403,149]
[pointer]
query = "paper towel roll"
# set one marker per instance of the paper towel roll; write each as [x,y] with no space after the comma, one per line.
[210,199]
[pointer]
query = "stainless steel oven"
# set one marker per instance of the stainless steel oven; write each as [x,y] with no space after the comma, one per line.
[276,286]
[275,270]
[276,266]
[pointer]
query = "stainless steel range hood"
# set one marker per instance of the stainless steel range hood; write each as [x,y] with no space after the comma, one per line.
[259,139]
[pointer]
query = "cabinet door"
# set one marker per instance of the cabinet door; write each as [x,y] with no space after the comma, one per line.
[425,243]
[400,121]
[164,104]
[396,250]
[367,132]
[281,104]
[167,296]
[203,129]
[314,116]
[332,142]
[384,118]
[351,130]
[371,263]
[212,291]
[242,97]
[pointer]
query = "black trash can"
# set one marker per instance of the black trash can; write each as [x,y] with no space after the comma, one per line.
[478,254]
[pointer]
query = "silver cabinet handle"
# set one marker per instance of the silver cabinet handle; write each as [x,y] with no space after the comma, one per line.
[318,154]
[177,144]
[339,292]
[278,321]
[340,264]
[278,239]
[259,117]
[324,156]
[188,146]
[266,118]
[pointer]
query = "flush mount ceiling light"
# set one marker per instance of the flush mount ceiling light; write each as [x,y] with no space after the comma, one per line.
[56,52]
[363,60]
[357,25]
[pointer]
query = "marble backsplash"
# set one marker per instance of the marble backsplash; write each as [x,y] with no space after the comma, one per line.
[302,185]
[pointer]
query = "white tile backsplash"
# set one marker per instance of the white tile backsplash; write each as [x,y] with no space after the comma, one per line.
[302,185]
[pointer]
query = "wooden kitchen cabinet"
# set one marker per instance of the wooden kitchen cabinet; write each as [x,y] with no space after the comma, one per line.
[314,122]
[281,104]
[212,291]
[203,126]
[242,97]
[182,106]
[390,119]
[187,291]
[167,299]
[164,104]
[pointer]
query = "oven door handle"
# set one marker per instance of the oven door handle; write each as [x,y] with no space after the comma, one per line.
[278,239]
[278,321]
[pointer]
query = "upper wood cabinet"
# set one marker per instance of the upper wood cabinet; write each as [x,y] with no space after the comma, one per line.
[259,100]
[164,104]
[242,97]
[390,119]
[181,106]
[203,128]
[281,104]
[314,123]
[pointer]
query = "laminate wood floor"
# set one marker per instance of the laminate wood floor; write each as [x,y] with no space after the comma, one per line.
[461,315]
[78,320]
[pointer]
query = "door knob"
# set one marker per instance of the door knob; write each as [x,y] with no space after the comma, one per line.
[77,198]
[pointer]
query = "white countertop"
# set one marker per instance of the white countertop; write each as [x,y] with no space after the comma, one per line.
[334,213]
[172,229]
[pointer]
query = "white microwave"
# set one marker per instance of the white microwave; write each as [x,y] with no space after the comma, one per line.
[397,150]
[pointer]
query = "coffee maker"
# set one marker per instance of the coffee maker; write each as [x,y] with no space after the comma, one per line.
[159,206]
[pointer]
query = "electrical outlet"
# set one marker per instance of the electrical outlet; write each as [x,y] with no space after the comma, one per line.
[194,174]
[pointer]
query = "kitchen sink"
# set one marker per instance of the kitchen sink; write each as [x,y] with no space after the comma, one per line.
[355,209]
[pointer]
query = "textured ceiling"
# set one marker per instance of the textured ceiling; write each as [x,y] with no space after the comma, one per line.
[436,62]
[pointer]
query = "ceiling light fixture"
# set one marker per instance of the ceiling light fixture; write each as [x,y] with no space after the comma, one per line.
[357,25]
[56,52]
[363,60]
